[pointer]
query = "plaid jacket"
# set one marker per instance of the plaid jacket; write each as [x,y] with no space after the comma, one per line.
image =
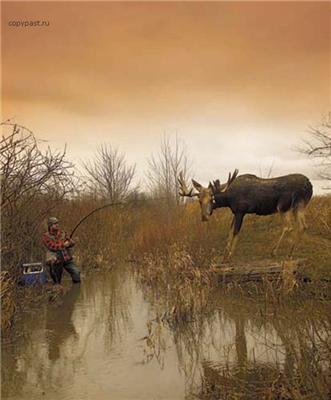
[54,243]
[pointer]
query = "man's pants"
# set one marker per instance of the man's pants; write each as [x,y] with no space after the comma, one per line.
[56,271]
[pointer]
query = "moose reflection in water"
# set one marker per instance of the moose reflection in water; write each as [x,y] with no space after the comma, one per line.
[248,194]
[234,346]
[204,341]
[294,363]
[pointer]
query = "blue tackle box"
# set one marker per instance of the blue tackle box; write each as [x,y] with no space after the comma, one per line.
[33,274]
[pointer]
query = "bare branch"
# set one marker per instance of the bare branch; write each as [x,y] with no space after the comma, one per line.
[319,146]
[164,169]
[32,184]
[108,175]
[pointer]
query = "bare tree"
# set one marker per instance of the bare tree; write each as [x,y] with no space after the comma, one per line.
[319,147]
[164,169]
[32,184]
[27,172]
[108,175]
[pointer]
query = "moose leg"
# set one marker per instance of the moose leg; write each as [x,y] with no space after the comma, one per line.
[300,214]
[229,241]
[287,228]
[301,226]
[233,237]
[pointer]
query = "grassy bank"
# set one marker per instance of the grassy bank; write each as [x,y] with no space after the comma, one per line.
[155,234]
[175,252]
[160,229]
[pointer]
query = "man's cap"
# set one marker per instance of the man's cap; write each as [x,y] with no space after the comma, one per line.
[52,221]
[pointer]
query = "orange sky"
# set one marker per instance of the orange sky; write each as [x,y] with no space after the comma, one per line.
[124,73]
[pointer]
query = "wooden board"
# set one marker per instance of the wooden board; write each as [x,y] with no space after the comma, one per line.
[258,271]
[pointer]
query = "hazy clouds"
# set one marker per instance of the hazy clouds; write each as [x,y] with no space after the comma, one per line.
[239,82]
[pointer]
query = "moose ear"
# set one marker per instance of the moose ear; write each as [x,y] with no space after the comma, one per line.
[211,187]
[196,185]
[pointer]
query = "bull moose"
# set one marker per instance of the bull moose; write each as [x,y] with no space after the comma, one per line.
[248,194]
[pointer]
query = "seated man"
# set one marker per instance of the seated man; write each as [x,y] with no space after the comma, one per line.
[58,256]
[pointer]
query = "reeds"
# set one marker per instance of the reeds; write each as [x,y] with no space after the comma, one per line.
[155,234]
[8,303]
[195,312]
[175,254]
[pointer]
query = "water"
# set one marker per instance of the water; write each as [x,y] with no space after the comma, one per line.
[105,342]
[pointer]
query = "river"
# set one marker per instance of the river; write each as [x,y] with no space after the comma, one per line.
[104,341]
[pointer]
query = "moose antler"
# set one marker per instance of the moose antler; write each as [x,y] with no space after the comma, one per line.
[218,187]
[184,190]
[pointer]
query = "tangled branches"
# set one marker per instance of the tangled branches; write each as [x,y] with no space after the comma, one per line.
[319,147]
[32,184]
[26,172]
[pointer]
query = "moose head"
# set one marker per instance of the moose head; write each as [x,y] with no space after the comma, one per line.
[206,195]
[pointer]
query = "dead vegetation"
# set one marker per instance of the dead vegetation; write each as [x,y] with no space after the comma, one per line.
[318,147]
[177,275]
[33,183]
[205,242]
[303,370]
[156,233]
[174,256]
[292,327]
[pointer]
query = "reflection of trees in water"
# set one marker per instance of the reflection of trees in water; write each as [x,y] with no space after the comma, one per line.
[112,296]
[54,343]
[236,346]
[240,340]
[188,340]
[304,331]
[306,336]
[18,352]
[103,318]
[189,317]
[31,359]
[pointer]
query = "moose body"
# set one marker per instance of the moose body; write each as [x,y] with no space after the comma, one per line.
[248,194]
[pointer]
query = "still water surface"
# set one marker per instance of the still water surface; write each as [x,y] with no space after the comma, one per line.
[99,344]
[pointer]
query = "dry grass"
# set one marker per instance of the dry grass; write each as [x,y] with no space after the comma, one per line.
[187,304]
[174,254]
[158,230]
[304,329]
[8,300]
[155,233]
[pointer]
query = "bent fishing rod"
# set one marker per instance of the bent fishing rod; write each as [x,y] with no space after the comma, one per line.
[92,212]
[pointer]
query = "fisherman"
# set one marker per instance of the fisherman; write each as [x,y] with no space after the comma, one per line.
[58,255]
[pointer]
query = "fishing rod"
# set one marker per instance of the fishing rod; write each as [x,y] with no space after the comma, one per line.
[92,212]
